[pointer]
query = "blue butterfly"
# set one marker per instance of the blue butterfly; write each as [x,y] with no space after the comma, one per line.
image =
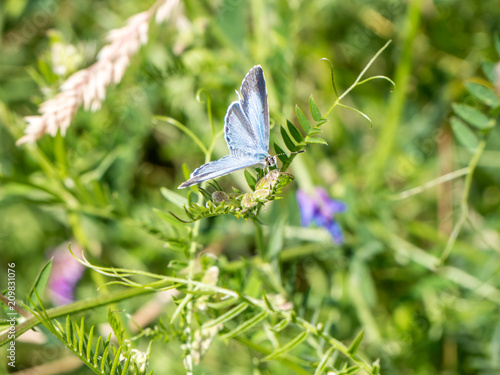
[246,131]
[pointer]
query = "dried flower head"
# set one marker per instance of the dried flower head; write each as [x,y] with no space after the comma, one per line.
[87,87]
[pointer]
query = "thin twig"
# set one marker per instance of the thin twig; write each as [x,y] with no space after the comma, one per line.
[464,206]
[430,184]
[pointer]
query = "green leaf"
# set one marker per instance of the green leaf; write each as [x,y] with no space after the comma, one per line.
[185,171]
[206,195]
[116,326]
[288,142]
[316,140]
[268,303]
[353,348]
[251,180]
[40,283]
[483,93]
[116,361]
[231,314]
[280,326]
[357,111]
[497,43]
[350,370]
[294,132]
[376,367]
[280,153]
[166,217]
[245,326]
[89,344]
[464,135]
[174,198]
[472,116]
[287,347]
[315,131]
[283,180]
[303,119]
[324,361]
[315,112]
[489,71]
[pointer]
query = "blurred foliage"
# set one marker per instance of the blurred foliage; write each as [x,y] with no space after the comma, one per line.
[418,272]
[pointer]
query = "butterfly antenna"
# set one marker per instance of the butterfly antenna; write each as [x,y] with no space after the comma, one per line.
[291,153]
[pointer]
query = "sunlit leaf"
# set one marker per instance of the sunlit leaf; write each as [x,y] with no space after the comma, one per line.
[251,180]
[287,347]
[489,71]
[304,122]
[40,283]
[472,116]
[353,348]
[464,135]
[231,314]
[173,197]
[245,326]
[483,93]
[280,326]
[316,140]
[324,361]
[116,326]
[315,112]
[349,370]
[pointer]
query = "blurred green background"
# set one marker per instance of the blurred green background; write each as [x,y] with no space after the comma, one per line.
[418,318]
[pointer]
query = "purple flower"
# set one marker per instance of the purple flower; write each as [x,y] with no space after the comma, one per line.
[319,208]
[66,271]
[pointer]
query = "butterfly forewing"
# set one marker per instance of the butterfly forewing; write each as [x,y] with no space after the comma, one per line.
[255,106]
[238,131]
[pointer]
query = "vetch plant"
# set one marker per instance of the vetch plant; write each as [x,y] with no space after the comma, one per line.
[209,307]
[374,251]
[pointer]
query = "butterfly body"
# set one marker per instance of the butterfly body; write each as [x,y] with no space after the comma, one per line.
[246,132]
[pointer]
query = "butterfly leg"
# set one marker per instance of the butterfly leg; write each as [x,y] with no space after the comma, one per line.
[275,158]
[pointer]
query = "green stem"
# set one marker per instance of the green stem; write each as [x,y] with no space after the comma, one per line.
[397,101]
[259,239]
[181,127]
[421,257]
[77,307]
[464,206]
[357,81]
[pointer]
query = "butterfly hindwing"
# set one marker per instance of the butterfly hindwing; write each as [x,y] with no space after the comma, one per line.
[218,168]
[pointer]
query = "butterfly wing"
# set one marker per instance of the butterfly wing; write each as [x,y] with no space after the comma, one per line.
[239,133]
[246,131]
[255,106]
[218,168]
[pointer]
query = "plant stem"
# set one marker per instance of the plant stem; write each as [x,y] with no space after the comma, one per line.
[464,206]
[337,101]
[397,101]
[76,307]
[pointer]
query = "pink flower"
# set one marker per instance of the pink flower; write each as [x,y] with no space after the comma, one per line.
[66,271]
